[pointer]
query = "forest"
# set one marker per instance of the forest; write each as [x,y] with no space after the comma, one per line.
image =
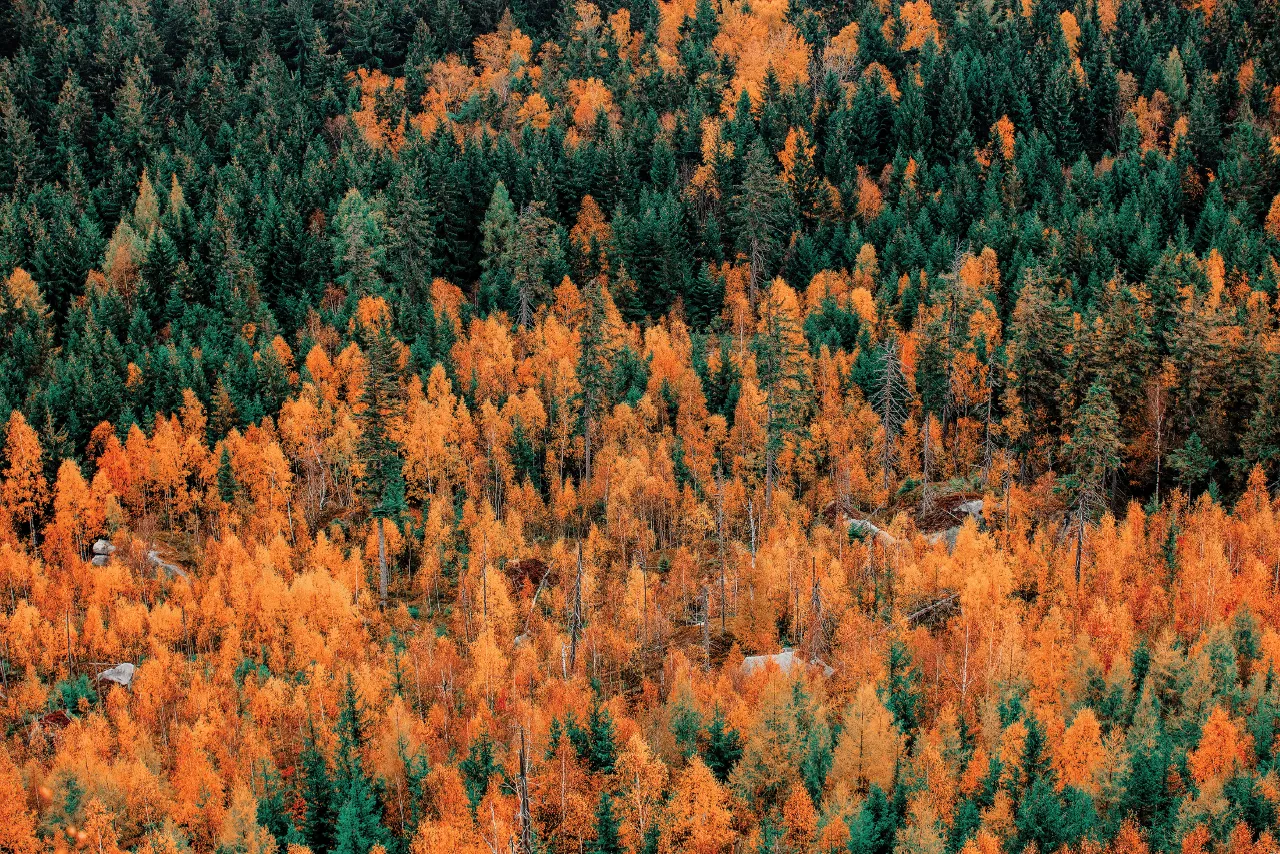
[640,426]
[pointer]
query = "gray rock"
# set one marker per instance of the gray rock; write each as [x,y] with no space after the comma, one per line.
[121,674]
[172,568]
[785,660]
[972,508]
[947,537]
[103,547]
[871,529]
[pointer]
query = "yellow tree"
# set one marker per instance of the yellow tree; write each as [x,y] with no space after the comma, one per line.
[17,824]
[869,744]
[697,819]
[24,488]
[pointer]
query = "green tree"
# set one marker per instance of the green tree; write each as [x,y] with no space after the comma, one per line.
[357,826]
[382,483]
[607,824]
[592,369]
[758,214]
[317,795]
[1094,455]
[723,746]
[1192,463]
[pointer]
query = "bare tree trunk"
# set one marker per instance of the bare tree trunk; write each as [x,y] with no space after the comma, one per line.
[1079,543]
[706,627]
[720,539]
[383,572]
[522,792]
[575,616]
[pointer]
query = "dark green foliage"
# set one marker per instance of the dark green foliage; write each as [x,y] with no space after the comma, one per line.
[873,829]
[68,693]
[266,212]
[481,764]
[317,796]
[723,746]
[357,823]
[607,824]
[273,813]
[903,694]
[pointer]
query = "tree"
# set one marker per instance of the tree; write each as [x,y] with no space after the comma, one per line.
[606,840]
[723,746]
[866,754]
[757,213]
[592,369]
[357,823]
[17,824]
[890,401]
[1261,443]
[697,819]
[382,484]
[1094,454]
[1192,462]
[317,796]
[24,487]
[782,368]
[903,695]
[497,242]
[358,245]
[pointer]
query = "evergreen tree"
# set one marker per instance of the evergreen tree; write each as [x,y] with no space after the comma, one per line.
[757,213]
[317,793]
[723,746]
[592,369]
[479,765]
[1094,453]
[357,822]
[607,840]
[382,486]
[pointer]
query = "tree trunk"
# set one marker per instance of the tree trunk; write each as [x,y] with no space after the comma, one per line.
[1079,546]
[383,574]
[575,618]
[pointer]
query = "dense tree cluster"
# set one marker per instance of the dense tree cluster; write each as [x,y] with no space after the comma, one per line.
[438,402]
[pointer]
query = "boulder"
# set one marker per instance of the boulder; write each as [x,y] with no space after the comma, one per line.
[103,547]
[871,530]
[785,660]
[171,568]
[121,674]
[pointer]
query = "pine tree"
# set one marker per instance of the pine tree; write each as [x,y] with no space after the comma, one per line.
[723,748]
[607,840]
[890,401]
[228,486]
[757,213]
[602,751]
[479,765]
[1094,454]
[902,693]
[358,246]
[1261,442]
[592,369]
[382,486]
[357,823]
[273,813]
[317,796]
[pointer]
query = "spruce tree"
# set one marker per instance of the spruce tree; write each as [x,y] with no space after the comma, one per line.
[317,796]
[382,485]
[357,822]
[607,840]
[592,369]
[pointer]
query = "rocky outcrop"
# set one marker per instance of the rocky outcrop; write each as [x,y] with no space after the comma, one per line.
[121,674]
